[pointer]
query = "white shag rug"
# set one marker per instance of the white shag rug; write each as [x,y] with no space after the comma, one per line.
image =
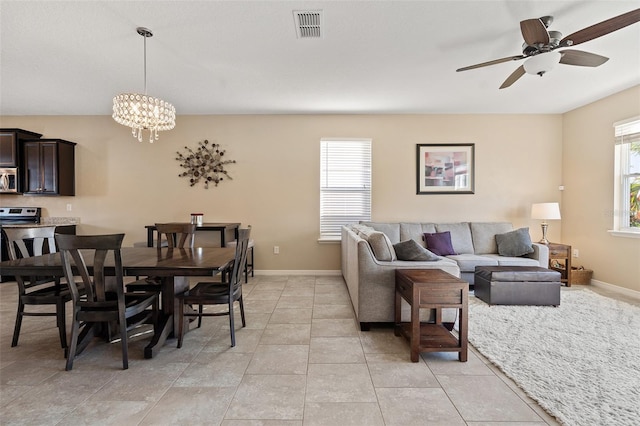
[579,361]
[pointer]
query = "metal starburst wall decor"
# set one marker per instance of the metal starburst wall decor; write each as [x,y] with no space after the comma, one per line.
[205,163]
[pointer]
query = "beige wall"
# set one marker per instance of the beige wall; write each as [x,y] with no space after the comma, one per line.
[587,169]
[123,185]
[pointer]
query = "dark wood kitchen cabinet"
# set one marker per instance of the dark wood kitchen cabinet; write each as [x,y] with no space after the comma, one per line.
[10,139]
[49,167]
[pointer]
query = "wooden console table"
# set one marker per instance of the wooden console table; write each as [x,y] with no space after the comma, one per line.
[222,228]
[432,289]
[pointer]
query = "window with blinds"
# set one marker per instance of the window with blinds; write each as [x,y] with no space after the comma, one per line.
[627,176]
[345,184]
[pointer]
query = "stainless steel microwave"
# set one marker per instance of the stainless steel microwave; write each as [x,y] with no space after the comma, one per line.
[8,179]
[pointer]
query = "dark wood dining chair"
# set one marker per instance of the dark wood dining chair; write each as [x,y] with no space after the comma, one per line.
[224,292]
[27,242]
[178,235]
[248,267]
[104,303]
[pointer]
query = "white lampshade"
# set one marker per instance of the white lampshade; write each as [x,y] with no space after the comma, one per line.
[545,211]
[540,64]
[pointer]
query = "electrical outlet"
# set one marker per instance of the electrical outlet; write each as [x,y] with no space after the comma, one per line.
[68,207]
[576,253]
[276,249]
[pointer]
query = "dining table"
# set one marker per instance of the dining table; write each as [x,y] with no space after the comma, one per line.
[221,228]
[173,267]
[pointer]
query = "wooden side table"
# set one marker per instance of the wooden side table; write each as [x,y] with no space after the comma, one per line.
[562,254]
[432,289]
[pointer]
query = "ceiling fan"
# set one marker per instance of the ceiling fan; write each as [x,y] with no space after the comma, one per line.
[539,47]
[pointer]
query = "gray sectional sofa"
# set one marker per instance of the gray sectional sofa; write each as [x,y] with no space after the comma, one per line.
[371,281]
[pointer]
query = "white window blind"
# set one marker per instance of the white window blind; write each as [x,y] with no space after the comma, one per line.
[345,184]
[627,176]
[627,131]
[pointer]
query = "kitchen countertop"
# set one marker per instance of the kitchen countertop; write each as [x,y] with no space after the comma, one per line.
[46,221]
[60,220]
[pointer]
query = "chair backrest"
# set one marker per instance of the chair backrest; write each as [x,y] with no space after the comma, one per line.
[95,248]
[235,278]
[177,234]
[17,238]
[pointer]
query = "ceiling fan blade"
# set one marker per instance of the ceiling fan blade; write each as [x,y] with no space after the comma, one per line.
[519,72]
[495,61]
[602,28]
[580,58]
[534,32]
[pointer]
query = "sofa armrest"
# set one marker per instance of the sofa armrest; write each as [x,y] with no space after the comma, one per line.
[541,254]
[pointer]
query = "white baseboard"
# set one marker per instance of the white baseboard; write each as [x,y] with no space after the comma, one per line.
[616,288]
[271,272]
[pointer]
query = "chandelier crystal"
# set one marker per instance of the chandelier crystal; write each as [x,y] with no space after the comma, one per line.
[142,112]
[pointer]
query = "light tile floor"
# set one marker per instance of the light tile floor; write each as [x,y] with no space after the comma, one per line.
[301,360]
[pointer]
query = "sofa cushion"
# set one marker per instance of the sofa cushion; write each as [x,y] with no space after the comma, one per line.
[412,250]
[514,243]
[416,231]
[381,246]
[484,235]
[362,231]
[512,261]
[391,230]
[460,236]
[468,262]
[439,243]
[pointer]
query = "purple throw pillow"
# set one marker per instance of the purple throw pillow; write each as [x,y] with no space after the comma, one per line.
[439,243]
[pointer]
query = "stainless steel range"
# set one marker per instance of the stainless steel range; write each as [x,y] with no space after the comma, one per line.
[15,216]
[19,215]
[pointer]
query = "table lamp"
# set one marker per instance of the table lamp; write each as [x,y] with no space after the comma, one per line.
[545,211]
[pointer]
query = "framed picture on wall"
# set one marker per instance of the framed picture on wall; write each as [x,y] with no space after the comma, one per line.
[445,169]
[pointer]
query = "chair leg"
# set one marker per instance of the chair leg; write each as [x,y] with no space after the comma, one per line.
[16,329]
[62,325]
[231,325]
[71,353]
[244,324]
[180,322]
[252,262]
[200,315]
[124,341]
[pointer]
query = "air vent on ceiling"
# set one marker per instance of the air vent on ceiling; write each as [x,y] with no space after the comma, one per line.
[308,23]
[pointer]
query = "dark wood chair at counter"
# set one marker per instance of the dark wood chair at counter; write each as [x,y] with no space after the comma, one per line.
[27,242]
[224,292]
[178,235]
[103,303]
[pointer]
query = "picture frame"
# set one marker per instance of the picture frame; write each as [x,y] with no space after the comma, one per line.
[445,168]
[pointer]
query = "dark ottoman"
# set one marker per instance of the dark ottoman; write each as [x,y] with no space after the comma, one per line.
[517,285]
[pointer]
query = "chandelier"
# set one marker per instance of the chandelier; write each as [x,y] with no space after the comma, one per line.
[142,112]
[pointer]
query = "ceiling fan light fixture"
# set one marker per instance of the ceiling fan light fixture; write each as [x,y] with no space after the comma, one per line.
[542,63]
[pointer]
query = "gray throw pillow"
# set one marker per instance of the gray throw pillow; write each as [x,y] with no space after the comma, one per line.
[514,243]
[381,246]
[412,250]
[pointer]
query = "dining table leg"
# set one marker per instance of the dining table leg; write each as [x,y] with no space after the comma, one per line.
[168,321]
